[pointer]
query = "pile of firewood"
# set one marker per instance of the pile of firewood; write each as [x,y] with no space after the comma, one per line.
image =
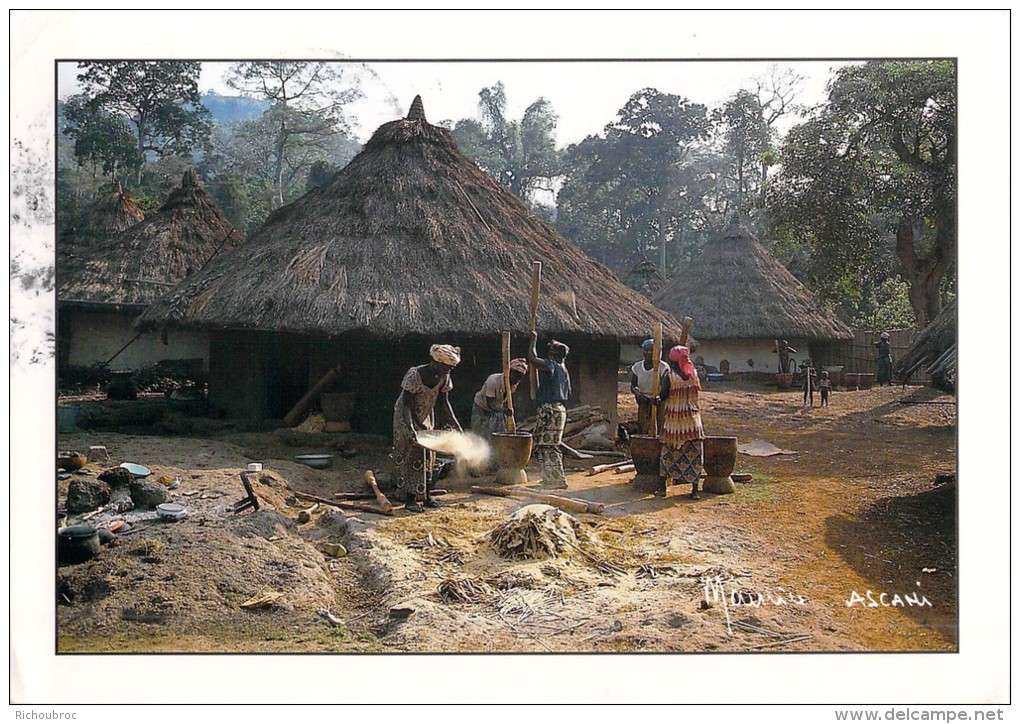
[587,427]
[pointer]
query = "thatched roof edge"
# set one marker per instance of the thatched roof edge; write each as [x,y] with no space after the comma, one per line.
[735,289]
[410,237]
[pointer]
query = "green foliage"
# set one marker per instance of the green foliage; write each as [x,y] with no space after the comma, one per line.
[631,191]
[521,155]
[319,174]
[101,140]
[870,179]
[307,117]
[160,100]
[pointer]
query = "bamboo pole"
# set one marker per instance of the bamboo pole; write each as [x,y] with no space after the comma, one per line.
[536,284]
[511,423]
[656,356]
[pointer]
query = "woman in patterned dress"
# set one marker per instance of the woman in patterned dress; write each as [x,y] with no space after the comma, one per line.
[423,389]
[682,432]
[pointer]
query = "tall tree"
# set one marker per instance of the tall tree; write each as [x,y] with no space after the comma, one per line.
[746,138]
[159,99]
[308,108]
[633,183]
[876,168]
[522,154]
[103,142]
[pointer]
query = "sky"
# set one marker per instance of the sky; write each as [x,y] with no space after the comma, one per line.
[586,95]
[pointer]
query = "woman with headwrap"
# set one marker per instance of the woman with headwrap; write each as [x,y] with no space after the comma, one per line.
[642,377]
[553,393]
[421,389]
[489,413]
[682,432]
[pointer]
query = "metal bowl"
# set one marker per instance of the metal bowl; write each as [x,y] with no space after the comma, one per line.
[171,511]
[138,471]
[319,461]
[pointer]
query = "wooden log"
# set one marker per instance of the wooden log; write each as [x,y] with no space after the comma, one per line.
[604,454]
[306,515]
[608,466]
[384,504]
[576,506]
[361,507]
[371,496]
[574,453]
[312,498]
[297,412]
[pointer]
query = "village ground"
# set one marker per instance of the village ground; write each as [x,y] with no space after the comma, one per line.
[867,502]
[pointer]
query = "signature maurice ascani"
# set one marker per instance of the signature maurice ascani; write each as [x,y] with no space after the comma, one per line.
[877,599]
[726,592]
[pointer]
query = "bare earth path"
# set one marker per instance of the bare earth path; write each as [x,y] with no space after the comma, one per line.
[854,509]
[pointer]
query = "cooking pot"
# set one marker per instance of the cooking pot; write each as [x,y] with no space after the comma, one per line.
[77,544]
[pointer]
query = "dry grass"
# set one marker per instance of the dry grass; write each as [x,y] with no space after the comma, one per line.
[735,289]
[409,237]
[136,266]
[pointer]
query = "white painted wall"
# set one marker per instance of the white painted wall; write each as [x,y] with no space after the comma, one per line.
[738,351]
[96,336]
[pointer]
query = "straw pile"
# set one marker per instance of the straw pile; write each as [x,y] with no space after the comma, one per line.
[535,531]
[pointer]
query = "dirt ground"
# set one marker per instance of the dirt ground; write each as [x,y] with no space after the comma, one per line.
[786,563]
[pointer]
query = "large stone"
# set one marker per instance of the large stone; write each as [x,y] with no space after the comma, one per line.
[147,496]
[85,495]
[116,477]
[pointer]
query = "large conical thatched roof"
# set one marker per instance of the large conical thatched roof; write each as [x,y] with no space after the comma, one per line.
[139,265]
[934,351]
[109,215]
[735,289]
[410,238]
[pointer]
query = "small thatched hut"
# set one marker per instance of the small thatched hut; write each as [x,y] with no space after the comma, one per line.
[408,245]
[934,352]
[645,278]
[102,287]
[108,215]
[743,301]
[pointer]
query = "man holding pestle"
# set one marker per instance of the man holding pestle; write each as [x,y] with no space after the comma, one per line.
[552,396]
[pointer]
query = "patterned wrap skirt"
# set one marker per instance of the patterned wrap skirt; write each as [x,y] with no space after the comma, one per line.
[682,464]
[552,418]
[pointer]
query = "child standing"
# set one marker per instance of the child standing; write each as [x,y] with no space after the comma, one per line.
[810,383]
[824,386]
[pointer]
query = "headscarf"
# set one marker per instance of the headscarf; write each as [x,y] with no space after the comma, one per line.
[648,344]
[682,356]
[520,365]
[446,354]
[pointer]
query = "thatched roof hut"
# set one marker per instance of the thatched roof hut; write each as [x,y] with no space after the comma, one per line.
[737,291]
[934,351]
[645,278]
[102,287]
[411,242]
[409,238]
[108,215]
[135,267]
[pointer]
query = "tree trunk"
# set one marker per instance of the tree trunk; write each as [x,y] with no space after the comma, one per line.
[923,275]
[141,157]
[662,241]
[281,144]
